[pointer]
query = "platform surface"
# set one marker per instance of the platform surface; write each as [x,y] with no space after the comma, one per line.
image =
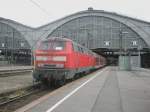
[107,90]
[13,82]
[11,67]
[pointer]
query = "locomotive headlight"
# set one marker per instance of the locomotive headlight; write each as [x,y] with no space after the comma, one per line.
[41,58]
[59,58]
[40,65]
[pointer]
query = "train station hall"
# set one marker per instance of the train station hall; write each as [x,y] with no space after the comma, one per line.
[118,37]
[88,61]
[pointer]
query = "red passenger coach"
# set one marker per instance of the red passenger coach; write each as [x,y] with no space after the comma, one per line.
[59,59]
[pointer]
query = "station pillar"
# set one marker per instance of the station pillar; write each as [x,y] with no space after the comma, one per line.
[125,62]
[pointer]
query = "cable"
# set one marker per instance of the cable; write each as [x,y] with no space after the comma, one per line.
[42,9]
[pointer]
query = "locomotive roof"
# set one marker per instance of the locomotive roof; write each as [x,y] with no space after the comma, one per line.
[66,39]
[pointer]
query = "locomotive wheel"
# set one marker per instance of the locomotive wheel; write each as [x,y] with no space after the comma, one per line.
[63,81]
[76,76]
[59,83]
[45,82]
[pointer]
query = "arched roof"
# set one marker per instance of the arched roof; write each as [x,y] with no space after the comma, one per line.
[24,30]
[32,35]
[142,28]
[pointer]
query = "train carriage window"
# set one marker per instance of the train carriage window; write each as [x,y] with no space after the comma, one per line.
[83,50]
[80,49]
[73,47]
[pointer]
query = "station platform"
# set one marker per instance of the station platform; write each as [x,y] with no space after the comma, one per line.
[14,68]
[12,81]
[106,90]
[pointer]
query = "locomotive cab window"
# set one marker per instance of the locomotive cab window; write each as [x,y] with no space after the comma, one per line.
[52,45]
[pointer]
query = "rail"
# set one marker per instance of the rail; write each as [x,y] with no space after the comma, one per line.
[6,98]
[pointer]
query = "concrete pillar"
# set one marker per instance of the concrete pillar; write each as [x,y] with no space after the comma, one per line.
[125,62]
[136,61]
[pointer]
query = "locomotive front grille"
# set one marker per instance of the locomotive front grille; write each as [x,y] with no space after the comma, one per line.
[50,66]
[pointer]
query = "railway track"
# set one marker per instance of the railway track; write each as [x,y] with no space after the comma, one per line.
[15,99]
[6,98]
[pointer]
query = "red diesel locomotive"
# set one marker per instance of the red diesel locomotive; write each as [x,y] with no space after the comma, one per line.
[59,59]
